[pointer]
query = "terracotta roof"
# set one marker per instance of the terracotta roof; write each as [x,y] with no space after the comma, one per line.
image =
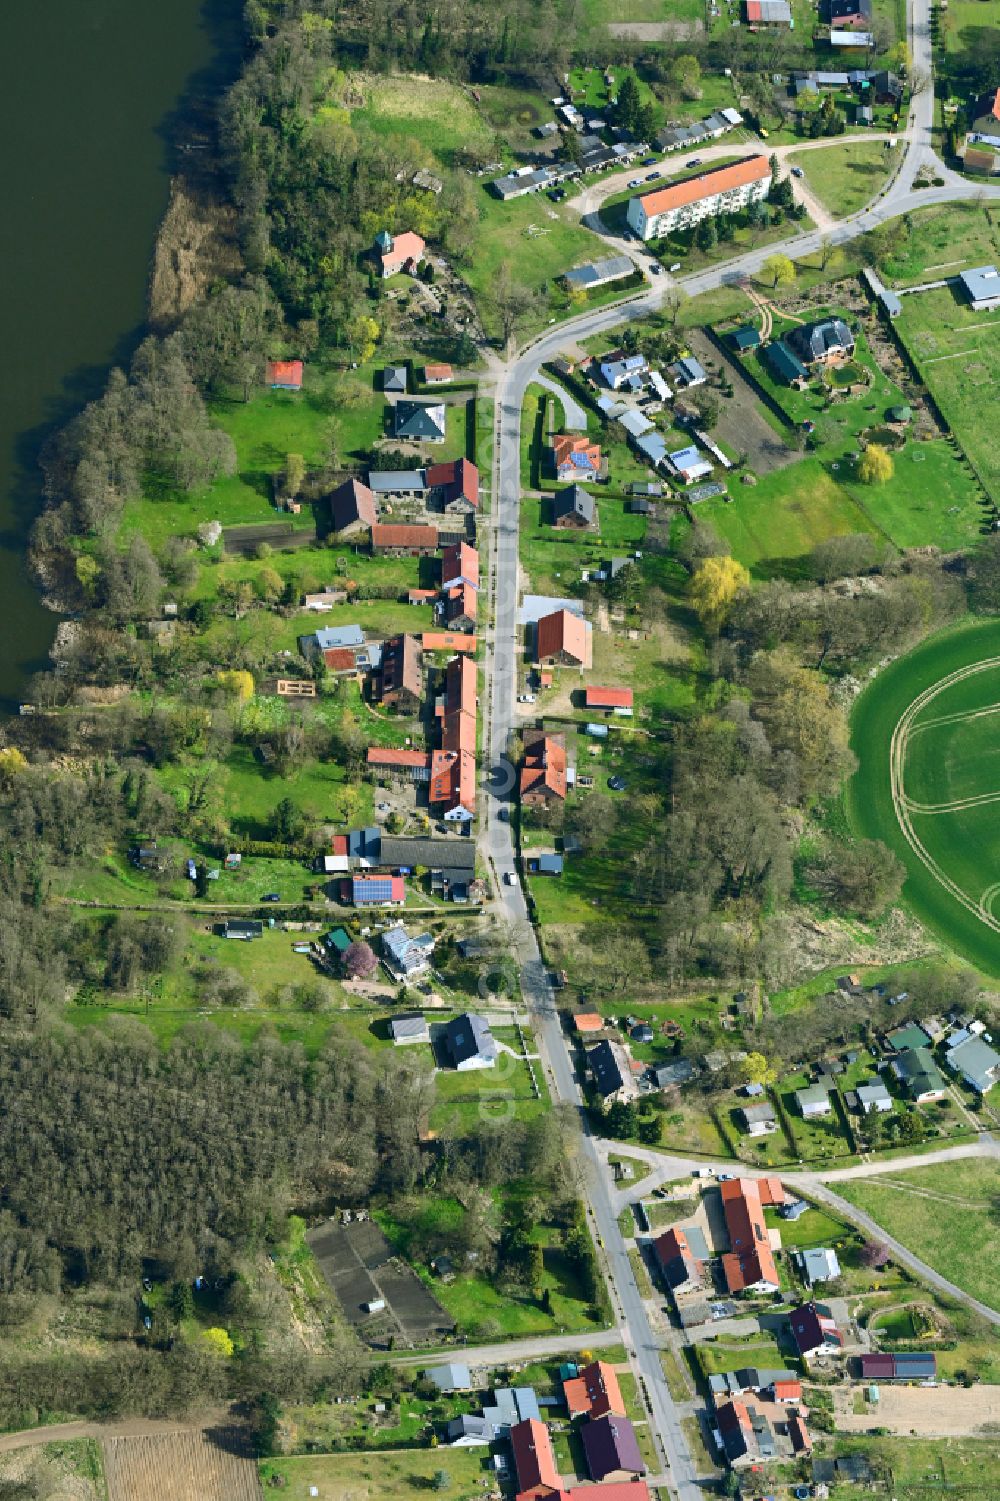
[417,596]
[388,755]
[616,1490]
[595,1391]
[463,601]
[588,1021]
[284,372]
[338,844]
[405,247]
[460,685]
[771,1192]
[456,477]
[716,180]
[608,698]
[534,1460]
[569,446]
[544,767]
[447,641]
[399,535]
[750,1259]
[563,631]
[458,732]
[453,779]
[437,372]
[787,1391]
[341,659]
[460,560]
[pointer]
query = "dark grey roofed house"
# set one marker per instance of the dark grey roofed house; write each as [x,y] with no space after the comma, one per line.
[611,1448]
[394,379]
[452,855]
[470,1042]
[418,421]
[814,342]
[638,506]
[575,502]
[603,1064]
[409,1026]
[665,1075]
[234,927]
[467,1429]
[641,1032]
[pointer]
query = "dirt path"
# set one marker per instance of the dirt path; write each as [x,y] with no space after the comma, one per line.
[127,1428]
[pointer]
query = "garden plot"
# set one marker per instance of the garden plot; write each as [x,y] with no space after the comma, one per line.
[360,1268]
[940,1411]
[213,1464]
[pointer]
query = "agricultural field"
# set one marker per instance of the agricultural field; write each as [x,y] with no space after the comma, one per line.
[916,778]
[945,1214]
[956,351]
[213,1464]
[844,178]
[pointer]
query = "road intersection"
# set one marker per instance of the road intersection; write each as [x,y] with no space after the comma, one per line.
[899,196]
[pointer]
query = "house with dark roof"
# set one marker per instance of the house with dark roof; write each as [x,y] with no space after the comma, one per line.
[745,338]
[828,341]
[975,1061]
[759,1119]
[573,508]
[352,508]
[419,422]
[814,1331]
[913,1365]
[469,1042]
[784,363]
[745,1435]
[919,1075]
[466,1430]
[849,14]
[407,954]
[394,378]
[241,928]
[407,1027]
[401,678]
[611,1449]
[609,1068]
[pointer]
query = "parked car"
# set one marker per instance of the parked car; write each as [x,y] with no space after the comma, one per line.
[652,176]
[797,172]
[617,784]
[508,878]
[656,268]
[648,161]
[271,896]
[676,266]
[526,698]
[503,815]
[694,162]
[636,182]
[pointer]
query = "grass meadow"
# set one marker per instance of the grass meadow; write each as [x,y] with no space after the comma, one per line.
[844,178]
[967,845]
[945,1214]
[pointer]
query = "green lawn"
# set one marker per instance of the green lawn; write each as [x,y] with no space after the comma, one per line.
[922,1468]
[945,239]
[965,845]
[956,351]
[844,178]
[946,1214]
[406,1475]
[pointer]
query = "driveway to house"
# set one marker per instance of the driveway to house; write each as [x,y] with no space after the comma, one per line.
[574,417]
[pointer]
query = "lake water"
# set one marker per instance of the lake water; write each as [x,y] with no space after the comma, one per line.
[89,95]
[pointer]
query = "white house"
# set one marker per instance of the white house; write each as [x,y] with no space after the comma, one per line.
[813,1101]
[874,1096]
[720,190]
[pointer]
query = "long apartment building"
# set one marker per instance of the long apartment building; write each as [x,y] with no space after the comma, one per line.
[721,190]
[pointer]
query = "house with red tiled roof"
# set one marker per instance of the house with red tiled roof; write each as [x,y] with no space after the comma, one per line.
[395,253]
[454,486]
[453,785]
[622,1490]
[594,1391]
[563,639]
[460,686]
[575,457]
[400,540]
[543,771]
[680,1267]
[748,1266]
[341,661]
[786,1391]
[447,641]
[588,1021]
[284,375]
[437,375]
[401,763]
[461,605]
[607,698]
[374,891]
[717,190]
[459,565]
[534,1461]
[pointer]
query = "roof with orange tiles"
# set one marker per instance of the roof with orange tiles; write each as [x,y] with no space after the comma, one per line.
[716,180]
[458,732]
[595,1391]
[447,641]
[544,767]
[750,1259]
[460,561]
[390,755]
[437,372]
[588,1021]
[462,603]
[563,632]
[395,534]
[567,446]
[534,1461]
[405,247]
[771,1192]
[284,373]
[456,477]
[460,685]
[341,659]
[418,596]
[616,1490]
[608,698]
[787,1391]
[453,779]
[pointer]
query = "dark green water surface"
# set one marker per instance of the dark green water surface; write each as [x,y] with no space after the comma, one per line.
[94,94]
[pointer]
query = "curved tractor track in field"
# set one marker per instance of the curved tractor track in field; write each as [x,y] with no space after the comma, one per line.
[904,807]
